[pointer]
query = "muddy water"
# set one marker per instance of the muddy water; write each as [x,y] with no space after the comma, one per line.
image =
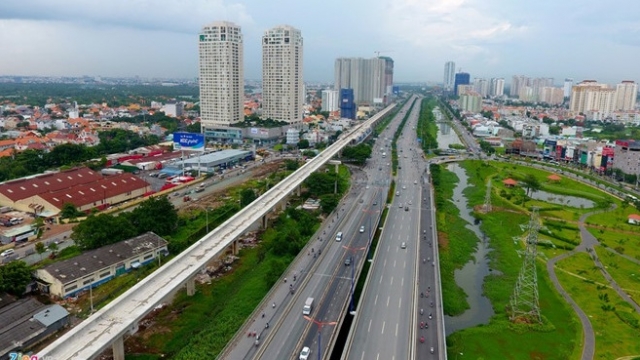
[471,277]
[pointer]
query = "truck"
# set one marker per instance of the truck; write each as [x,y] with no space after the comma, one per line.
[308,306]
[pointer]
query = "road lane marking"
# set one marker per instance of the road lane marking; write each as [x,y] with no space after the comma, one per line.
[388,299]
[385,263]
[383,323]
[396,329]
[405,264]
[394,263]
[402,282]
[391,281]
[375,301]
[369,328]
[381,278]
[362,357]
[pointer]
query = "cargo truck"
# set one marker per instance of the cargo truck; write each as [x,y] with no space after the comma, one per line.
[308,306]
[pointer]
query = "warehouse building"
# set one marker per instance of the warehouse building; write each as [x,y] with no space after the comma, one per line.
[212,162]
[69,277]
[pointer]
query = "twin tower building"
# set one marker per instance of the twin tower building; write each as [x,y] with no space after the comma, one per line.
[222,75]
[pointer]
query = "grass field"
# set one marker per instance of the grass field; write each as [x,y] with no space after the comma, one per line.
[560,337]
[623,242]
[626,273]
[614,337]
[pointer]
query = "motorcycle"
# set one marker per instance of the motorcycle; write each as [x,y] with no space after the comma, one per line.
[421,339]
[422,325]
[430,317]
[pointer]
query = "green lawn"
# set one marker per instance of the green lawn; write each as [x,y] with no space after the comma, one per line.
[626,243]
[614,338]
[559,338]
[626,273]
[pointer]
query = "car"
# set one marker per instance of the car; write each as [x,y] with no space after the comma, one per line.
[379,168]
[362,228]
[404,187]
[400,205]
[7,252]
[304,354]
[347,261]
[339,236]
[432,350]
[415,182]
[403,245]
[375,202]
[397,193]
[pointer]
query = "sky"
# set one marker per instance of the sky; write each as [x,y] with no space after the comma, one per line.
[580,39]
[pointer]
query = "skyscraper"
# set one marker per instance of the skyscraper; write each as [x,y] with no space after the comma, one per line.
[481,86]
[282,85]
[497,87]
[449,75]
[388,75]
[330,100]
[568,85]
[626,93]
[365,76]
[221,75]
[461,78]
[590,98]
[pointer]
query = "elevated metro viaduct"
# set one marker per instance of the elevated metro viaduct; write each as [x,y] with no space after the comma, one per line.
[111,324]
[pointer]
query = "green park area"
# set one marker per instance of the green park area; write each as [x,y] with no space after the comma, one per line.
[515,191]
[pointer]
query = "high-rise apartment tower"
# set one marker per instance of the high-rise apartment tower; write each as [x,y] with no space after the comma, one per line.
[366,77]
[221,74]
[282,84]
[449,75]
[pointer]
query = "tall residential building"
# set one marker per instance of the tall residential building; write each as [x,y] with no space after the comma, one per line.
[568,85]
[626,94]
[551,95]
[330,100]
[517,83]
[365,76]
[282,85]
[388,75]
[449,76]
[592,99]
[347,104]
[497,87]
[221,75]
[461,78]
[481,86]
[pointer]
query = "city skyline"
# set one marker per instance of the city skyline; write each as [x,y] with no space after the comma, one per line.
[493,38]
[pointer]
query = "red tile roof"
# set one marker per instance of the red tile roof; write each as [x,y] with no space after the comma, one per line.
[24,188]
[635,217]
[93,192]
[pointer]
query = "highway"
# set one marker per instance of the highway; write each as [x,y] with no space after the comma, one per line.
[328,280]
[384,325]
[108,326]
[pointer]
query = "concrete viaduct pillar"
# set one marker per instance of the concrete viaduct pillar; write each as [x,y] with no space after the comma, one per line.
[191,287]
[118,349]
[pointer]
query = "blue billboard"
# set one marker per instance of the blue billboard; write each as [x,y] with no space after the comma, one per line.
[188,141]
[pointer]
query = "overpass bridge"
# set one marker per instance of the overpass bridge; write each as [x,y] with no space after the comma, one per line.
[111,324]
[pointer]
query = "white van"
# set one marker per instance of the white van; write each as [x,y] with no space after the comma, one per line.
[339,236]
[7,252]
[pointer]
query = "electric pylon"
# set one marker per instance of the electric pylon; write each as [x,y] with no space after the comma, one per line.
[524,301]
[487,199]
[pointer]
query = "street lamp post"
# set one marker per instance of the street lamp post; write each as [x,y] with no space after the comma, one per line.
[320,325]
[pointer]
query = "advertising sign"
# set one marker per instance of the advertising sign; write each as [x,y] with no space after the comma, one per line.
[188,141]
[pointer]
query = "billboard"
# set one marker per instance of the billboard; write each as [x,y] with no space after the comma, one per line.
[188,141]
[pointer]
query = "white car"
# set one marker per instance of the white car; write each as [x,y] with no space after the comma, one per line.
[362,228]
[404,187]
[304,354]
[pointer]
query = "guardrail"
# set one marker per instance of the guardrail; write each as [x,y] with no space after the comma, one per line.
[120,317]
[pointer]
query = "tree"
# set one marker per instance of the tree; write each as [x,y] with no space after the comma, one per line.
[531,184]
[303,144]
[291,165]
[69,211]
[53,247]
[359,153]
[247,196]
[14,278]
[320,183]
[102,229]
[155,214]
[40,249]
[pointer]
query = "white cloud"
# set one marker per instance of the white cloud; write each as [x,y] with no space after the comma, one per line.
[178,16]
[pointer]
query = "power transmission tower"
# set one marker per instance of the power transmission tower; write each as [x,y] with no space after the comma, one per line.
[487,199]
[524,301]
